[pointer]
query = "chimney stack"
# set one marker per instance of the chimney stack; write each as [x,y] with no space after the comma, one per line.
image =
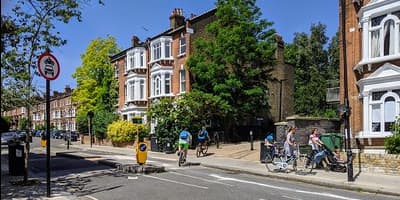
[67,89]
[280,45]
[135,41]
[176,19]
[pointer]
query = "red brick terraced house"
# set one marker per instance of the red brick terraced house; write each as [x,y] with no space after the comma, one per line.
[373,60]
[164,74]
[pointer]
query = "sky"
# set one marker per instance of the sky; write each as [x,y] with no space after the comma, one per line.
[123,19]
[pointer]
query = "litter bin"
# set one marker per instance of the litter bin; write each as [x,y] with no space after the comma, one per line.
[154,144]
[16,159]
[263,152]
[169,146]
[332,140]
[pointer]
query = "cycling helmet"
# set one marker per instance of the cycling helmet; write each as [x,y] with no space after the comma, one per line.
[270,138]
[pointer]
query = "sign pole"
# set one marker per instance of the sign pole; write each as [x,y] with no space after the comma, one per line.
[49,69]
[48,135]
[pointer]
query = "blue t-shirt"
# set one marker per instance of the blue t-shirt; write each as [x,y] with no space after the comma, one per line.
[202,135]
[184,135]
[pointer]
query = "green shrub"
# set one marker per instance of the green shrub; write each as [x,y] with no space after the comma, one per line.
[392,143]
[122,131]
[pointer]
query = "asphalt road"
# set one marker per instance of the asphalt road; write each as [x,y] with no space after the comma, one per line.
[89,180]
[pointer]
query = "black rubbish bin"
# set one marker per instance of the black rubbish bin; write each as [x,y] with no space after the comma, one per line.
[16,159]
[169,146]
[263,152]
[154,144]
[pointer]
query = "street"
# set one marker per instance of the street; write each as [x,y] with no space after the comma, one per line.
[88,180]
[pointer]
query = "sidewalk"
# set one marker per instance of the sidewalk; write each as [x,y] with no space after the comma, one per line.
[239,158]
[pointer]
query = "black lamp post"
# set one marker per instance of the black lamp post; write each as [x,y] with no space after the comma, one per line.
[346,113]
[90,115]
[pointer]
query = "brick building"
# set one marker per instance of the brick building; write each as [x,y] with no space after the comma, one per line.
[62,112]
[373,60]
[164,74]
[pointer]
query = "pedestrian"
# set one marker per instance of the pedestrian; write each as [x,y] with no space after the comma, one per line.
[290,143]
[316,145]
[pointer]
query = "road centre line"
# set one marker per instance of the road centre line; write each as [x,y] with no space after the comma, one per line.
[172,181]
[281,188]
[202,179]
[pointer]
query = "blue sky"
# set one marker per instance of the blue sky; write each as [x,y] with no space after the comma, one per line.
[146,18]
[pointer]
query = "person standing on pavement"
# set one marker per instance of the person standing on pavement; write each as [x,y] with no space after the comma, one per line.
[184,140]
[290,143]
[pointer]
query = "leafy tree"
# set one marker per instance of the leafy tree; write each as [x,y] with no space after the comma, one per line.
[235,62]
[23,124]
[314,65]
[5,122]
[392,143]
[28,32]
[96,87]
[122,131]
[191,110]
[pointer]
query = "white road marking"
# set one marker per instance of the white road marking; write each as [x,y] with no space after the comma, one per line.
[172,181]
[161,158]
[90,197]
[281,188]
[132,177]
[202,179]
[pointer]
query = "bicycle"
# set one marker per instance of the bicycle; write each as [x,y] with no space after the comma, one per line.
[278,162]
[182,157]
[202,148]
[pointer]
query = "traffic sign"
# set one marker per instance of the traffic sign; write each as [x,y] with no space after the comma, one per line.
[48,66]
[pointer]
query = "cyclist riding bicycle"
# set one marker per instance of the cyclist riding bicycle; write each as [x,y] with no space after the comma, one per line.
[203,136]
[184,140]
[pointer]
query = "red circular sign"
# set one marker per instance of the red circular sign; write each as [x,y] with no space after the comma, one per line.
[48,66]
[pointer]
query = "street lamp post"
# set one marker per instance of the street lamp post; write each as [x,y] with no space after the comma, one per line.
[346,96]
[280,98]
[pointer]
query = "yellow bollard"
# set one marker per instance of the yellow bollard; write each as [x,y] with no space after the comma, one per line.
[43,143]
[141,153]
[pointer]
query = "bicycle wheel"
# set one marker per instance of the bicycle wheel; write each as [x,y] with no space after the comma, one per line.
[273,163]
[204,150]
[303,163]
[198,150]
[181,160]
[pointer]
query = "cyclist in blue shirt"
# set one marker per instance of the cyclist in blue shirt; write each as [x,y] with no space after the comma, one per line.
[184,140]
[203,135]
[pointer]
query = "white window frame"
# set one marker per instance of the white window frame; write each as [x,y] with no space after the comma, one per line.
[158,76]
[182,46]
[136,58]
[159,48]
[366,14]
[386,78]
[182,80]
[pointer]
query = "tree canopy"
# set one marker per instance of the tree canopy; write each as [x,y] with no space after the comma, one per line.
[27,32]
[314,65]
[96,86]
[235,62]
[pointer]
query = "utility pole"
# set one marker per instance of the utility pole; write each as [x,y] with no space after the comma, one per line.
[346,95]
[280,98]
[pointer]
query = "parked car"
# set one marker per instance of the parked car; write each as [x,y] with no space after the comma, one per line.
[21,135]
[74,136]
[8,137]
